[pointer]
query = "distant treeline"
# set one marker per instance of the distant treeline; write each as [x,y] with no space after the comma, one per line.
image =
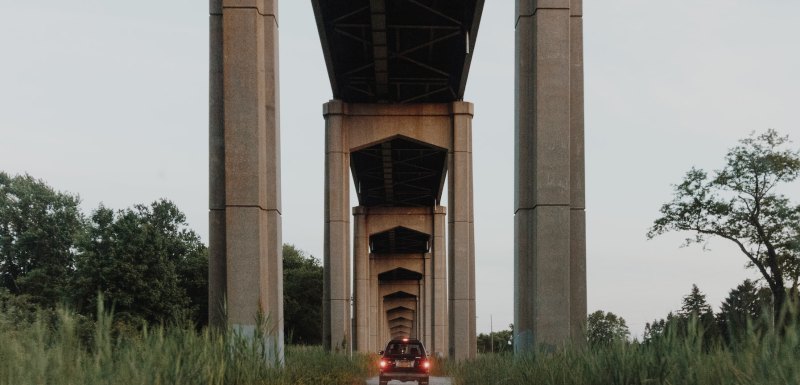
[144,262]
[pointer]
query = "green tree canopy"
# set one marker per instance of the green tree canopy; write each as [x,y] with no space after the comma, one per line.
[603,329]
[694,319]
[302,296]
[38,231]
[743,310]
[739,203]
[497,341]
[145,261]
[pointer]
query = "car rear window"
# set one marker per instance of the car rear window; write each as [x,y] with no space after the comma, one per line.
[404,349]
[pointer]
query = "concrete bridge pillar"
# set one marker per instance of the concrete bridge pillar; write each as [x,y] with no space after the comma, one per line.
[550,246]
[336,329]
[438,343]
[362,276]
[463,341]
[245,250]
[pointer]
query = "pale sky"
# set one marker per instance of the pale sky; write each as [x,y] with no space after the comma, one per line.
[109,100]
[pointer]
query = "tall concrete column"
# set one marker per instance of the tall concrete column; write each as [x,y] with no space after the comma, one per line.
[336,328]
[245,261]
[577,178]
[463,344]
[362,285]
[549,251]
[426,292]
[217,275]
[439,305]
[376,343]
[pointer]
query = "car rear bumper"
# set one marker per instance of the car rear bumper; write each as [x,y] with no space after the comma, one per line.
[404,376]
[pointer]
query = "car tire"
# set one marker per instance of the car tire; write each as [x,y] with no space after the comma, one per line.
[422,382]
[382,380]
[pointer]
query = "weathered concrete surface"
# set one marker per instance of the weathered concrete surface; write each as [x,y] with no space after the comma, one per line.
[549,225]
[336,329]
[245,246]
[438,340]
[217,276]
[577,179]
[433,381]
[362,293]
[461,242]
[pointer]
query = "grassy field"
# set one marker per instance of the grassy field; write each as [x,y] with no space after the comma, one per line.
[760,359]
[57,350]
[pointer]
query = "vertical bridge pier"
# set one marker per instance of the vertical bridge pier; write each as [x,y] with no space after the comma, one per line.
[549,216]
[245,248]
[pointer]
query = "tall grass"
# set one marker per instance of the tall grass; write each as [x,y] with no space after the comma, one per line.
[57,349]
[763,357]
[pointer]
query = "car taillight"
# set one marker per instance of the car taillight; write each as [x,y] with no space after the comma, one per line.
[426,364]
[382,364]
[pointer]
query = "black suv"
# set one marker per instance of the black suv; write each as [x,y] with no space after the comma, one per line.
[404,360]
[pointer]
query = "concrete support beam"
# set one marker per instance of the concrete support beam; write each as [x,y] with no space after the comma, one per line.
[462,338]
[217,275]
[361,272]
[336,330]
[549,254]
[577,179]
[438,342]
[245,247]
[541,275]
[428,297]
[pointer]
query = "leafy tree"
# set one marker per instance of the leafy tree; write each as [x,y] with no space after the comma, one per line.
[302,296]
[38,231]
[742,310]
[658,329]
[144,260]
[498,342]
[604,329]
[695,319]
[193,278]
[739,204]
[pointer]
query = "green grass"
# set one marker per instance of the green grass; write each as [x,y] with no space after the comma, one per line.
[62,348]
[760,359]
[57,349]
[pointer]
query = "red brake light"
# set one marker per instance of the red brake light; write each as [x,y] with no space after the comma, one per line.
[426,364]
[382,364]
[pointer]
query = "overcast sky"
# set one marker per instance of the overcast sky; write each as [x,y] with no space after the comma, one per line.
[109,100]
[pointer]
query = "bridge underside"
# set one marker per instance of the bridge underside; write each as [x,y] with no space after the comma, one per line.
[398,51]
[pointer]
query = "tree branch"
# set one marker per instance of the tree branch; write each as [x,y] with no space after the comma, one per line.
[744,250]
